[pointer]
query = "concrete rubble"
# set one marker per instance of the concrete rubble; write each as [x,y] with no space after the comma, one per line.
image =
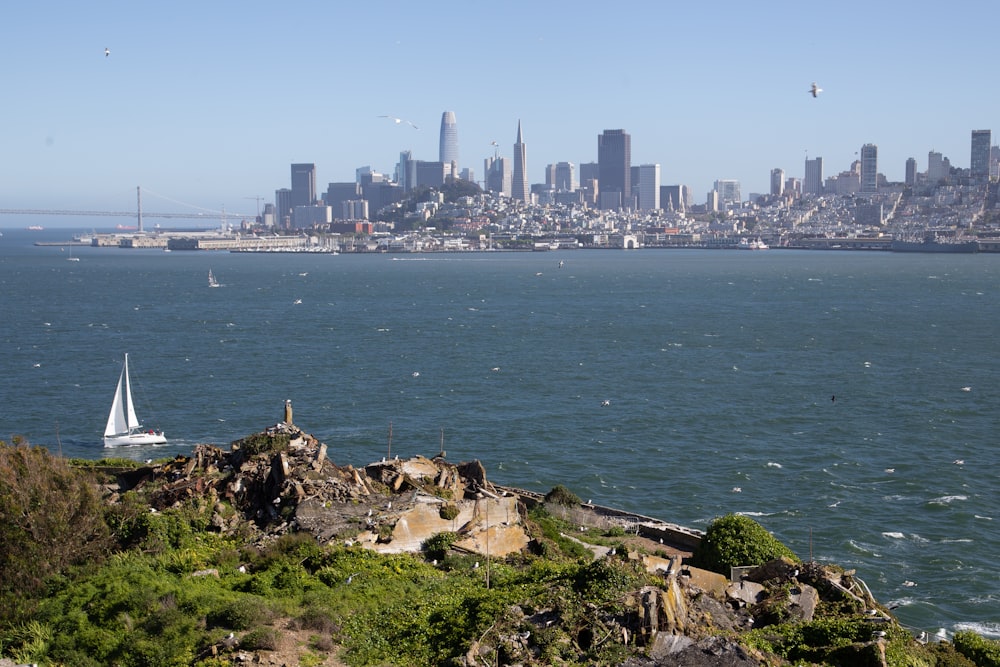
[283,480]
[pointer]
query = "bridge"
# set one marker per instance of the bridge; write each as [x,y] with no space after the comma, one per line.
[123,214]
[139,214]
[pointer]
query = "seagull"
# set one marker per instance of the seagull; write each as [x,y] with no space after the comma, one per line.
[737,489]
[605,403]
[107,52]
[397,121]
[815,90]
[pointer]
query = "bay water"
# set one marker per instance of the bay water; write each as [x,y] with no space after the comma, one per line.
[848,401]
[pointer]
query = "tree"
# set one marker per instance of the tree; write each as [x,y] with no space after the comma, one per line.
[50,519]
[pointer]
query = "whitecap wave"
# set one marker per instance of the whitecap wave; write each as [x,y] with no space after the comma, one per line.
[894,535]
[946,500]
[772,464]
[984,629]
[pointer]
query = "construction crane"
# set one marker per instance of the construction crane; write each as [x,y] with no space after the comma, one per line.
[258,200]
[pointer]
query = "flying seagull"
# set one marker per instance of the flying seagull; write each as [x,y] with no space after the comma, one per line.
[815,90]
[107,52]
[397,121]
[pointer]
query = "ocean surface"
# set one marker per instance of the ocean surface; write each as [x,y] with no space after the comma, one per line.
[847,401]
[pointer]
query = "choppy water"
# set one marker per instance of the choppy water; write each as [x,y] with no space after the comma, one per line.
[719,369]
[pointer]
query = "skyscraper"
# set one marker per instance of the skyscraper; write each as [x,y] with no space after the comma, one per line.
[565,180]
[498,175]
[777,182]
[519,183]
[812,184]
[649,187]
[614,160]
[869,168]
[979,164]
[303,184]
[449,139]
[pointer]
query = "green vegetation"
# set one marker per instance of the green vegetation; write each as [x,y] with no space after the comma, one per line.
[560,495]
[85,584]
[982,651]
[50,520]
[735,540]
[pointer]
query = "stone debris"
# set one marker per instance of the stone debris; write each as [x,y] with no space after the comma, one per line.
[283,480]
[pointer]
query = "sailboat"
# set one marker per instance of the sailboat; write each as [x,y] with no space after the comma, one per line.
[212,282]
[123,426]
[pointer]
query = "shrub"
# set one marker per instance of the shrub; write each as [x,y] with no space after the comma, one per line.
[436,546]
[560,495]
[50,519]
[260,639]
[264,442]
[735,540]
[982,651]
[239,614]
[448,511]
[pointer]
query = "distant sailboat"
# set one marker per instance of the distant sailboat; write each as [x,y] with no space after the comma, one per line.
[123,426]
[212,282]
[71,258]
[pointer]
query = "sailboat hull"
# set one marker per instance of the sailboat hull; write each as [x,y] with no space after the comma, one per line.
[131,439]
[124,428]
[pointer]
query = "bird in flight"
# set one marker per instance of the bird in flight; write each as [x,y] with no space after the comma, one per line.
[397,121]
[107,52]
[815,90]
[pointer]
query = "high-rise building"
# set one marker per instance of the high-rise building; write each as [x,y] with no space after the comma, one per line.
[777,182]
[614,160]
[283,207]
[565,177]
[674,197]
[406,174]
[938,168]
[448,152]
[519,184]
[911,172]
[498,175]
[338,193]
[303,185]
[729,191]
[979,164]
[812,184]
[649,187]
[869,168]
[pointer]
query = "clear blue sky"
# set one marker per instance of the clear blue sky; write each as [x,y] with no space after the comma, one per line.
[208,103]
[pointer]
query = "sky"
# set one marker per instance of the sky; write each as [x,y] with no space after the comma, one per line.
[206,104]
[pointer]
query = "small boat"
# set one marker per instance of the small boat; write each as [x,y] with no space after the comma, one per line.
[124,427]
[756,244]
[212,282]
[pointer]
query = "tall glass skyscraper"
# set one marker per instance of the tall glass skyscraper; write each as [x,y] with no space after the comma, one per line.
[519,183]
[303,184]
[869,168]
[448,152]
[614,160]
[979,164]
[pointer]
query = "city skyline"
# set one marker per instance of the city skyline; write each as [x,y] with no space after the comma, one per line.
[211,112]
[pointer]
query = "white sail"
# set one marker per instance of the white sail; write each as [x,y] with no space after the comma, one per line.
[123,427]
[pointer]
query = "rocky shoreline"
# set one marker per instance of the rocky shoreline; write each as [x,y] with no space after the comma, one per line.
[282,481]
